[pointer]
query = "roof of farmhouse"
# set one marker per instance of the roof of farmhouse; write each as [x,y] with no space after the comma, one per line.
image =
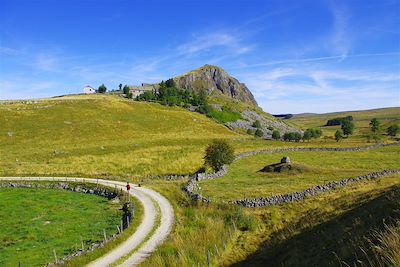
[144,87]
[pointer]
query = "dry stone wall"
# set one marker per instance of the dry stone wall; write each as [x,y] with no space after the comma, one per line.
[192,186]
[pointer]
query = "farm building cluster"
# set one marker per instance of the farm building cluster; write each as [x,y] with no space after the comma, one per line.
[135,90]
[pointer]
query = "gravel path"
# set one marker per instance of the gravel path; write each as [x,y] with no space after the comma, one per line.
[152,202]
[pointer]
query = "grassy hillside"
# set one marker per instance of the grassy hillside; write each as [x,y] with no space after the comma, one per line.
[387,116]
[102,135]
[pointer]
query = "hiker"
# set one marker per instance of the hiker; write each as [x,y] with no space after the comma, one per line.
[128,187]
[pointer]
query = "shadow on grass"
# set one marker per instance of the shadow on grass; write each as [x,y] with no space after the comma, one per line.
[336,242]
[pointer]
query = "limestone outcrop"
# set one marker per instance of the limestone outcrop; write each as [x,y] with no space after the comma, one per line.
[211,78]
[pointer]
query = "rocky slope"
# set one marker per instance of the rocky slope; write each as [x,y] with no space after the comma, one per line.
[211,78]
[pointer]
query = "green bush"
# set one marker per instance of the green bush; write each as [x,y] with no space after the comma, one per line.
[259,133]
[257,124]
[393,130]
[276,135]
[219,153]
[250,131]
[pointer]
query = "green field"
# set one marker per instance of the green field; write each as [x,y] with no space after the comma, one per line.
[361,119]
[244,179]
[34,222]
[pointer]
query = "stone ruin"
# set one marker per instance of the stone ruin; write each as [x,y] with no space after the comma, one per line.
[284,165]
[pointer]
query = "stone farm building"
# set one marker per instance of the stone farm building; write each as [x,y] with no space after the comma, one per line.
[88,90]
[138,90]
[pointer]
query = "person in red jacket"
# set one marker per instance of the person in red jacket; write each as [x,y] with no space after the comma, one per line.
[128,188]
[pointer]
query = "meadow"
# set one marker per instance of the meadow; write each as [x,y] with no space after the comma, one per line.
[34,222]
[245,180]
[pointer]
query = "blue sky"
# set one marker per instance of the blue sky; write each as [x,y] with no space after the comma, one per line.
[295,56]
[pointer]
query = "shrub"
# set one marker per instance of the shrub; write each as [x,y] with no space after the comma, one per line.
[250,131]
[270,128]
[375,125]
[393,130]
[257,124]
[276,135]
[218,153]
[259,133]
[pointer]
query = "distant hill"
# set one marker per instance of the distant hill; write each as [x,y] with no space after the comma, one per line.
[362,118]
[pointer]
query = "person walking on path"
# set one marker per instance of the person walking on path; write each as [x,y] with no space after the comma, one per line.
[128,188]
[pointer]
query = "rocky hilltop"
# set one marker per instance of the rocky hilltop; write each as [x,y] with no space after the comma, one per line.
[211,78]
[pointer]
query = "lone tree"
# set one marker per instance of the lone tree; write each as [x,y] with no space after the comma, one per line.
[375,125]
[102,89]
[347,127]
[338,135]
[120,86]
[276,135]
[393,130]
[218,153]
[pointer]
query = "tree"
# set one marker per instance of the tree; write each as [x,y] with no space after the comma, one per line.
[307,135]
[347,127]
[297,136]
[292,136]
[259,133]
[170,83]
[102,89]
[276,135]
[218,153]
[338,135]
[120,86]
[126,89]
[257,124]
[393,130]
[375,125]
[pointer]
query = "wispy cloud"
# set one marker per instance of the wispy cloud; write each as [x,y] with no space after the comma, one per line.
[341,39]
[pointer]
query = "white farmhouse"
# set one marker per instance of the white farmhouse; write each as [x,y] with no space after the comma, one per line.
[88,90]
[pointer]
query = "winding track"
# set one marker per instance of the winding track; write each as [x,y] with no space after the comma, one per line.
[136,243]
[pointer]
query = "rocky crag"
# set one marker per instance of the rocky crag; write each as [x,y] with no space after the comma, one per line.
[211,78]
[215,81]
